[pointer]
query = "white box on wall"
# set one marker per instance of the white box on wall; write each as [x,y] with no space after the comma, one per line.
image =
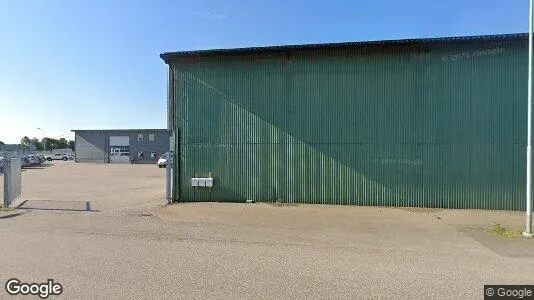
[209,182]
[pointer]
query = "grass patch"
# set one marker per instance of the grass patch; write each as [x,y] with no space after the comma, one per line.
[502,231]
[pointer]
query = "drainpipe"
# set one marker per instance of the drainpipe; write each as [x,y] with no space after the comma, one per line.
[170,128]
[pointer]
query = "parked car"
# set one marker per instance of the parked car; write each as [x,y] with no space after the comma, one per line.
[58,156]
[71,157]
[162,161]
[25,162]
[34,160]
[41,158]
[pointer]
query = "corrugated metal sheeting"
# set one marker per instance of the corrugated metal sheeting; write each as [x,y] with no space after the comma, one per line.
[421,124]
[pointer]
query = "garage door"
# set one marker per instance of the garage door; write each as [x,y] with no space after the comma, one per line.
[119,149]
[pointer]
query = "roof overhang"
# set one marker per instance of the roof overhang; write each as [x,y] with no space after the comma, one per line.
[171,56]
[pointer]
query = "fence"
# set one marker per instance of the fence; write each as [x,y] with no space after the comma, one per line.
[12,179]
[20,152]
[54,151]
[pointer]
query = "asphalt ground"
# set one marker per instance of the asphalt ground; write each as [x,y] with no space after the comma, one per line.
[132,246]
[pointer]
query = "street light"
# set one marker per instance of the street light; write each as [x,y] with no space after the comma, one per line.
[44,137]
[528,231]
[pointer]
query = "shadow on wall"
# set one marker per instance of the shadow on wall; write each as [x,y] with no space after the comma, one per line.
[255,160]
[258,154]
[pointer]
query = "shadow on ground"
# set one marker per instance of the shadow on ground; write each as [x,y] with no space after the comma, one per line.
[57,205]
[504,246]
[10,215]
[40,167]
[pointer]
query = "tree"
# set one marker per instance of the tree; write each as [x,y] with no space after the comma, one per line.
[62,143]
[50,143]
[25,142]
[38,145]
[2,143]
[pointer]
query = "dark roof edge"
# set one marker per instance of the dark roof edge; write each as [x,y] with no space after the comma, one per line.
[169,56]
[115,130]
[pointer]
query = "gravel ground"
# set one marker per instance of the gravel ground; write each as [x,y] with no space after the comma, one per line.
[134,248]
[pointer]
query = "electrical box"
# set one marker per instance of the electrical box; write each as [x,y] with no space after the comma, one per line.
[209,182]
[202,182]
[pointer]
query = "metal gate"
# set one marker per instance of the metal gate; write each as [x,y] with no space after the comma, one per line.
[12,180]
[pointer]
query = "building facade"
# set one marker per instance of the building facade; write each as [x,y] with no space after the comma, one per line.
[436,122]
[10,147]
[11,150]
[121,145]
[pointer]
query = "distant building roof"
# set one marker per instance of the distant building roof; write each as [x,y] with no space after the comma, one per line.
[10,147]
[115,130]
[170,56]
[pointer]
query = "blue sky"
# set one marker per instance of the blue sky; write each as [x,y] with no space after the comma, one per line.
[95,64]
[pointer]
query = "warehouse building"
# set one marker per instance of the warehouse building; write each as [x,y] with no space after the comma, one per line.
[121,145]
[437,122]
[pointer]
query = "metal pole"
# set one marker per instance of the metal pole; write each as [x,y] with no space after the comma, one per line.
[44,138]
[528,231]
[170,169]
[7,181]
[170,123]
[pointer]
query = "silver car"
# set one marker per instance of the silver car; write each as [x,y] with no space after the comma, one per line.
[34,160]
[25,162]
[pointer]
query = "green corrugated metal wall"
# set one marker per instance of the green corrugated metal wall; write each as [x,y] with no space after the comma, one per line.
[438,125]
